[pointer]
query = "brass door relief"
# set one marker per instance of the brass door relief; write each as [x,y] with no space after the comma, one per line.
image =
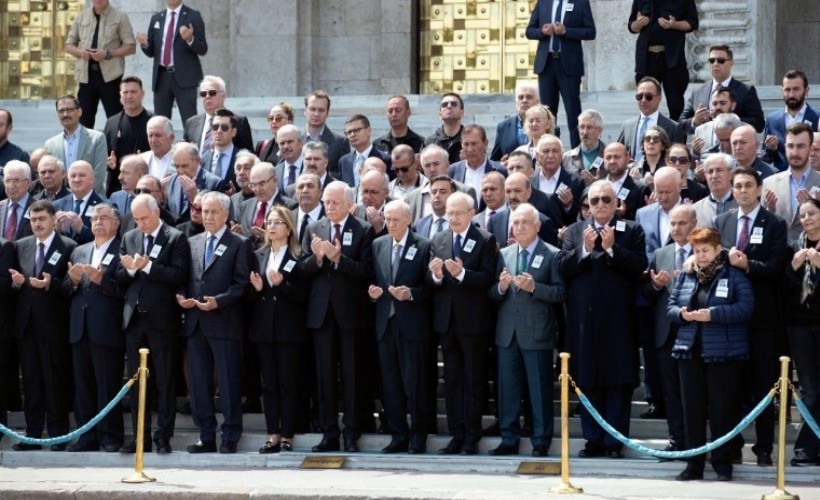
[33,61]
[473,46]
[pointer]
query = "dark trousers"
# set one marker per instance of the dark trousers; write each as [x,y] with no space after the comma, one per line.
[762,371]
[251,376]
[653,388]
[805,347]
[160,343]
[46,368]
[515,365]
[90,94]
[432,378]
[670,380]
[167,91]
[333,347]
[613,403]
[674,80]
[222,357]
[98,378]
[464,382]
[279,366]
[554,82]
[403,383]
[4,361]
[710,390]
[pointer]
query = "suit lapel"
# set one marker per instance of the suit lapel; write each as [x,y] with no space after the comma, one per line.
[55,247]
[221,241]
[386,259]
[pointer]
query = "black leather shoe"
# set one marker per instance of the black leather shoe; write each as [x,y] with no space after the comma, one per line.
[724,475]
[723,471]
[591,453]
[25,447]
[78,446]
[494,429]
[469,449]
[801,459]
[614,454]
[350,445]
[326,445]
[417,449]
[540,451]
[690,474]
[396,446]
[110,447]
[163,446]
[59,447]
[227,447]
[452,448]
[764,458]
[270,447]
[132,448]
[653,412]
[504,449]
[200,447]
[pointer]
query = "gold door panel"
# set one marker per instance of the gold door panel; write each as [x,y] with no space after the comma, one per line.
[475,47]
[33,61]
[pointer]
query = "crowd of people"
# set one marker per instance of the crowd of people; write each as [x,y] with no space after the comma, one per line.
[320,272]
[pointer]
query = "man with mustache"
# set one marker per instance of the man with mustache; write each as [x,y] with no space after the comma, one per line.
[795,90]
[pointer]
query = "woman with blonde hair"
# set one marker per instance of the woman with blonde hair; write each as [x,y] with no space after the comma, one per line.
[538,120]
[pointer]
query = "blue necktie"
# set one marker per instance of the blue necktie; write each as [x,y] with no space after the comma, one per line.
[555,42]
[209,249]
[639,139]
[457,247]
[77,205]
[523,261]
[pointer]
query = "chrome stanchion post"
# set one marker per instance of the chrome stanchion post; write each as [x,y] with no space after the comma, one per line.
[566,486]
[780,493]
[139,476]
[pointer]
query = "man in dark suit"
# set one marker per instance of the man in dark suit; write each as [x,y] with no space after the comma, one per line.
[219,160]
[97,342]
[559,60]
[6,324]
[402,327]
[155,262]
[461,267]
[648,96]
[475,165]
[665,266]
[745,146]
[254,212]
[314,160]
[338,258]
[493,197]
[41,326]
[757,242]
[528,287]
[214,325]
[309,196]
[16,182]
[74,211]
[509,133]
[197,129]
[317,108]
[518,189]
[630,199]
[358,132]
[521,161]
[181,187]
[795,90]
[600,329]
[563,189]
[290,151]
[373,191]
[698,106]
[175,40]
[659,51]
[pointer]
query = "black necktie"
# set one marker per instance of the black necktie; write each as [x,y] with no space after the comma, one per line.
[305,222]
[457,247]
[149,244]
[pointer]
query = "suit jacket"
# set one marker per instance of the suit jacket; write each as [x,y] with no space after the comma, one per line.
[629,131]
[764,169]
[580,26]
[529,318]
[342,287]
[506,138]
[767,260]
[673,40]
[415,198]
[500,228]
[573,160]
[7,261]
[466,302]
[649,218]
[662,260]
[337,146]
[361,213]
[41,194]
[66,204]
[268,150]
[290,190]
[127,221]
[555,210]
[91,147]
[187,66]
[247,211]
[155,292]
[282,175]
[694,191]
[295,213]
[422,226]
[279,313]
[194,129]
[633,193]
[230,175]
[43,312]
[120,199]
[24,226]
[748,107]
[97,309]
[347,163]
[173,193]
[225,277]
[458,170]
[776,125]
[412,316]
[779,184]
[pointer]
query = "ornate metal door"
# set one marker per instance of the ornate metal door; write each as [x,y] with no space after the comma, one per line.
[33,61]
[474,46]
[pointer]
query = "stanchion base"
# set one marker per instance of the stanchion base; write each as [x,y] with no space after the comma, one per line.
[138,477]
[566,488]
[780,495]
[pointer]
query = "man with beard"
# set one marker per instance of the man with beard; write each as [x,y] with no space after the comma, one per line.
[723,101]
[616,159]
[795,90]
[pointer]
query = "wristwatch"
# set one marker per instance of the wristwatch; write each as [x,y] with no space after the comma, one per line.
[107,55]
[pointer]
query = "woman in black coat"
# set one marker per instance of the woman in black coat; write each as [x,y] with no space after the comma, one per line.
[278,326]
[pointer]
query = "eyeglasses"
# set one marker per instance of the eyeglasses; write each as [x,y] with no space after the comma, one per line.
[196,208]
[605,199]
[402,169]
[144,191]
[652,138]
[254,185]
[448,104]
[679,160]
[275,223]
[208,93]
[277,119]
[719,60]
[646,96]
[354,131]
[65,111]
[221,126]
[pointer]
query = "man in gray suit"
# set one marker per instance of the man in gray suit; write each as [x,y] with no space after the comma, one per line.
[648,96]
[76,142]
[525,332]
[718,168]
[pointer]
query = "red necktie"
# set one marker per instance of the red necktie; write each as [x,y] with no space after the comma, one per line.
[11,225]
[169,41]
[259,220]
